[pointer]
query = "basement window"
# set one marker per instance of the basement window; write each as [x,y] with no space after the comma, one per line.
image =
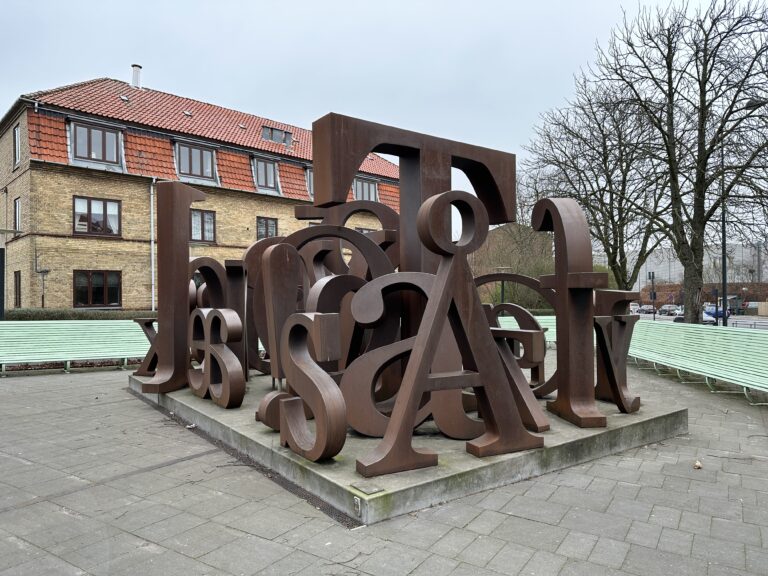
[97,288]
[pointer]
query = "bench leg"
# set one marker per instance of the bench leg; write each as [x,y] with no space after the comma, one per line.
[2,371]
[66,367]
[748,396]
[710,384]
[124,365]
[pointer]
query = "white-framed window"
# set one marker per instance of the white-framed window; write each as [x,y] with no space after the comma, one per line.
[310,175]
[195,161]
[16,145]
[265,227]
[95,144]
[203,227]
[365,189]
[266,174]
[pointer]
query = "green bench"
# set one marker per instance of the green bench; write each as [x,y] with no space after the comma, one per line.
[36,342]
[735,356]
[726,355]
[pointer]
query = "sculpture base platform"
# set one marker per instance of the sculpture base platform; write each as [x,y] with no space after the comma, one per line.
[457,473]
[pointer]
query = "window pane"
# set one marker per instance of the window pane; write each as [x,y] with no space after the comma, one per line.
[196,225]
[113,218]
[81,142]
[183,160]
[310,182]
[208,164]
[97,288]
[261,228]
[97,216]
[261,177]
[270,175]
[16,145]
[113,288]
[287,139]
[111,146]
[272,227]
[97,153]
[81,215]
[81,289]
[266,133]
[196,169]
[209,226]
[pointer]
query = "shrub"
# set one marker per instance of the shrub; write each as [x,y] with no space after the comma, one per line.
[75,314]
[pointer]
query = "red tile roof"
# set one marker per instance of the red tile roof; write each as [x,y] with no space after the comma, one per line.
[163,111]
[148,155]
[47,137]
[235,171]
[293,182]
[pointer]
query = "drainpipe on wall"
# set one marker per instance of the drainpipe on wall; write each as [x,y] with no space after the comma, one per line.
[152,237]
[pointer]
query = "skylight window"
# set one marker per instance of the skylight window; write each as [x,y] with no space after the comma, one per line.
[276,135]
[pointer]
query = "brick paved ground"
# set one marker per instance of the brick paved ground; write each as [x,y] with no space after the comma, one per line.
[94,481]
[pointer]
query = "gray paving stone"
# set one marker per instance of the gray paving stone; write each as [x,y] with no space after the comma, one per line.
[757,560]
[596,523]
[201,539]
[735,531]
[421,533]
[577,545]
[665,516]
[511,558]
[719,551]
[609,552]
[293,563]
[266,522]
[530,533]
[544,564]
[630,509]
[486,522]
[596,501]
[246,555]
[579,568]
[434,565]
[393,560]
[649,562]
[715,507]
[532,509]
[481,550]
[644,534]
[453,543]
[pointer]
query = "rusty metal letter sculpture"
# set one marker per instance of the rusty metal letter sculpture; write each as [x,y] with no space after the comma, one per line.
[393,332]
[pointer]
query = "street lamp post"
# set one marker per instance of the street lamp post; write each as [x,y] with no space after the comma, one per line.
[752,104]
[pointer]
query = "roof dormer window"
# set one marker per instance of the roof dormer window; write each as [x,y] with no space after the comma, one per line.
[195,161]
[95,144]
[277,135]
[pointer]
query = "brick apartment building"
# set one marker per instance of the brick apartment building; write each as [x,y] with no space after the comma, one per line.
[78,169]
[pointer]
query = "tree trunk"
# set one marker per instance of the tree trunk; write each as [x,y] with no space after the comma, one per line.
[692,286]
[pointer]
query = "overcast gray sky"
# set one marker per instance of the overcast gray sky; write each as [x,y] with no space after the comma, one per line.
[476,71]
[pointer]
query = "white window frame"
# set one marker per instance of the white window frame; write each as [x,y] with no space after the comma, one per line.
[16,145]
[365,182]
[276,191]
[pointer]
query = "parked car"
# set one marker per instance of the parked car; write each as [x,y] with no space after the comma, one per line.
[634,308]
[668,310]
[646,309]
[705,319]
[680,311]
[716,312]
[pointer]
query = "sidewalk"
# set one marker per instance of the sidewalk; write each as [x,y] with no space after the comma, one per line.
[94,481]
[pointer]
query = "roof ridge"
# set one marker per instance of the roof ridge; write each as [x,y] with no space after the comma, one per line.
[65,87]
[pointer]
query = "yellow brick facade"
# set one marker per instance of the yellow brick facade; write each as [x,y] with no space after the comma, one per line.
[48,190]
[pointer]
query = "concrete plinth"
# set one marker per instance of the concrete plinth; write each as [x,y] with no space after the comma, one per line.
[457,474]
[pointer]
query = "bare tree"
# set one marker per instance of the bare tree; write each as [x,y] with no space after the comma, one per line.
[597,151]
[700,78]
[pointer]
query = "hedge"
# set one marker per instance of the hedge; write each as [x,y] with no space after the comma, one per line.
[75,314]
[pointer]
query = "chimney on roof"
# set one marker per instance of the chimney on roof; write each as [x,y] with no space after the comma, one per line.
[136,80]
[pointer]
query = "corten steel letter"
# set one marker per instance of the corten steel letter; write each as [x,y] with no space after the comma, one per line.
[613,331]
[173,232]
[342,143]
[220,376]
[149,363]
[574,282]
[453,298]
[256,306]
[314,387]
